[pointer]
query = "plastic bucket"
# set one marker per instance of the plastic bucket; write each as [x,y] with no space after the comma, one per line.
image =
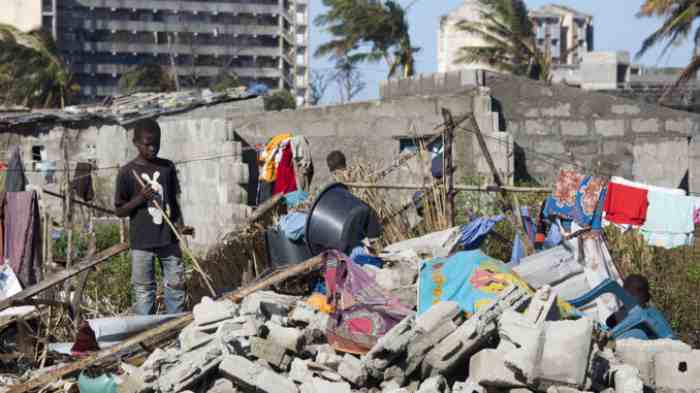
[282,251]
[338,221]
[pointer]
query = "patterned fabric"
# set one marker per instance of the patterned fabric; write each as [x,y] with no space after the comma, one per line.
[471,279]
[579,198]
[363,311]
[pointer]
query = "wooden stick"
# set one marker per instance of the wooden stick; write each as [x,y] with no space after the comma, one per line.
[180,323]
[64,275]
[448,173]
[491,188]
[81,203]
[264,208]
[198,267]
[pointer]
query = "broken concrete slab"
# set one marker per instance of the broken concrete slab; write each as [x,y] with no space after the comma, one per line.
[222,385]
[677,372]
[303,314]
[487,368]
[318,385]
[468,386]
[548,267]
[274,354]
[299,371]
[434,325]
[436,244]
[252,376]
[541,305]
[190,338]
[436,384]
[327,357]
[267,303]
[472,334]
[521,344]
[391,346]
[627,379]
[209,311]
[570,343]
[640,353]
[562,389]
[353,370]
[191,367]
[396,373]
[287,337]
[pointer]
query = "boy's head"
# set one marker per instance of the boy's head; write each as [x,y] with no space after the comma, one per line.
[336,161]
[638,286]
[147,138]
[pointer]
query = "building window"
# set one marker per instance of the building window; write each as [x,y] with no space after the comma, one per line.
[38,153]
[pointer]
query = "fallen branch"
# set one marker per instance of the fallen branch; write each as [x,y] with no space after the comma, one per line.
[168,327]
[264,208]
[64,275]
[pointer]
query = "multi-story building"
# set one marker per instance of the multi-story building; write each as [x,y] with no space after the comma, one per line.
[263,41]
[565,34]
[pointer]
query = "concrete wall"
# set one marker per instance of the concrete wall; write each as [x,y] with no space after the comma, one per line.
[23,14]
[554,125]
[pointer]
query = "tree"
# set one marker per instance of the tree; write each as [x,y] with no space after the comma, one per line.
[679,16]
[368,31]
[279,100]
[508,37]
[318,84]
[348,79]
[32,72]
[146,78]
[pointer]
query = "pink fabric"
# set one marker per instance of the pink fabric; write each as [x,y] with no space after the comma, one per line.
[21,227]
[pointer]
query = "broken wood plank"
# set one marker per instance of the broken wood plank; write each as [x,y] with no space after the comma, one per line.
[164,329]
[64,275]
[264,208]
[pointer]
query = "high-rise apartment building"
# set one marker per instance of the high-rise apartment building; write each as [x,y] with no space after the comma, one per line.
[263,41]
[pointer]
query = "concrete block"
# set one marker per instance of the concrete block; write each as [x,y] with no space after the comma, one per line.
[244,326]
[290,338]
[645,125]
[548,267]
[677,372]
[390,386]
[190,338]
[626,109]
[327,356]
[191,368]
[562,389]
[318,385]
[683,126]
[395,373]
[574,128]
[209,311]
[640,354]
[433,326]
[569,343]
[627,379]
[468,386]
[487,368]
[541,305]
[561,110]
[353,370]
[254,377]
[267,303]
[521,344]
[391,346]
[610,127]
[303,314]
[436,384]
[222,386]
[541,127]
[299,371]
[274,354]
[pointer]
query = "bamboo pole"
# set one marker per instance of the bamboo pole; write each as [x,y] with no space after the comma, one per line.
[198,267]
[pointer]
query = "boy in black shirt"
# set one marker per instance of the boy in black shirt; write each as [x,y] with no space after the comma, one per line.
[149,233]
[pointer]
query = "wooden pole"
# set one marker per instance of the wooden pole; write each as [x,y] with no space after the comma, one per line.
[177,324]
[517,218]
[67,208]
[448,172]
[81,203]
[76,305]
[197,266]
[457,188]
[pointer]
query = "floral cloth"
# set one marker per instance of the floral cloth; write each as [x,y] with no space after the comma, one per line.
[579,198]
[363,311]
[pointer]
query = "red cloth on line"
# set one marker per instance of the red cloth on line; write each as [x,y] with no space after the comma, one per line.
[286,181]
[625,204]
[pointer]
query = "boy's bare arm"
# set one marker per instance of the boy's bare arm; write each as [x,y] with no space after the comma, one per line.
[146,194]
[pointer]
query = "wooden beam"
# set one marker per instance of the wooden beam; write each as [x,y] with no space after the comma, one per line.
[264,208]
[164,329]
[448,170]
[64,275]
[458,187]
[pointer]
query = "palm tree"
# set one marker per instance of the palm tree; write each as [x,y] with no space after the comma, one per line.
[678,24]
[508,37]
[368,31]
[147,77]
[32,73]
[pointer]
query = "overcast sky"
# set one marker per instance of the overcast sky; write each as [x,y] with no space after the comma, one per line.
[615,23]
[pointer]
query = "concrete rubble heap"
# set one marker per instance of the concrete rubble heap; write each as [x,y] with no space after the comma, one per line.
[275,343]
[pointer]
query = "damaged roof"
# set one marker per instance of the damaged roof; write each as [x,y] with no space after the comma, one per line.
[123,110]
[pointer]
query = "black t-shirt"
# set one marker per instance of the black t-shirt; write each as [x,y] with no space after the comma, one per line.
[148,229]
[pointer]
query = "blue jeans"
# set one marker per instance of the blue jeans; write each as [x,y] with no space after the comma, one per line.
[143,279]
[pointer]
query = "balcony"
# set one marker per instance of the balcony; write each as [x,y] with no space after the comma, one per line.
[203,28]
[202,71]
[184,6]
[214,50]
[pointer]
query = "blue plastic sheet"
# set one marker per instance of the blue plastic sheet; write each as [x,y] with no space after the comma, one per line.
[293,225]
[474,233]
[296,198]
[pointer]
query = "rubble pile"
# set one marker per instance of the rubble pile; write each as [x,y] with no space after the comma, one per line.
[274,343]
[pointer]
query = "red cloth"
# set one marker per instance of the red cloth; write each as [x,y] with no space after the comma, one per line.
[625,204]
[286,181]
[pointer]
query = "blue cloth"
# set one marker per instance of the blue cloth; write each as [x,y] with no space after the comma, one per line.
[293,225]
[577,210]
[669,220]
[518,250]
[473,234]
[554,237]
[320,286]
[296,198]
[363,260]
[436,167]
[258,89]
[357,251]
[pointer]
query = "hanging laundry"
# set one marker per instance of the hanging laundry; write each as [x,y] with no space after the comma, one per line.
[303,164]
[696,211]
[271,157]
[22,235]
[625,204]
[630,183]
[285,181]
[669,220]
[474,233]
[363,311]
[15,179]
[554,237]
[82,181]
[518,252]
[579,198]
[296,198]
